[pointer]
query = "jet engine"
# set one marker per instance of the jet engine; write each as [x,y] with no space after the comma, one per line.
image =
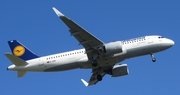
[120,70]
[112,47]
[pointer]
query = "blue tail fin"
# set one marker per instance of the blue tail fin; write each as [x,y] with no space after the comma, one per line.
[21,51]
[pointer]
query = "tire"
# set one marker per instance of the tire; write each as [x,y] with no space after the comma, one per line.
[94,63]
[99,77]
[154,60]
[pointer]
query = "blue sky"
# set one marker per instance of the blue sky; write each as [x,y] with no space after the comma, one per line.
[35,24]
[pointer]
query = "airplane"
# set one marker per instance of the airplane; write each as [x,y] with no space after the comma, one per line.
[101,57]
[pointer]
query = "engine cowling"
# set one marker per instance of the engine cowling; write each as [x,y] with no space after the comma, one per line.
[120,70]
[113,47]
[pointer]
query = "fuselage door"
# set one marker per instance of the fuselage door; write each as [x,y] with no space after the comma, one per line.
[41,63]
[150,40]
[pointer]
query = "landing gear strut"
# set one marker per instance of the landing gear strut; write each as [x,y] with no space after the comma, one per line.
[153,58]
[94,62]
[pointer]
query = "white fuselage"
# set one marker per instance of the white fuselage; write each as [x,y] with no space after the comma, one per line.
[78,58]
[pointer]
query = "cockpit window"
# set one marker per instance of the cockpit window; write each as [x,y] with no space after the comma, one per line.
[160,37]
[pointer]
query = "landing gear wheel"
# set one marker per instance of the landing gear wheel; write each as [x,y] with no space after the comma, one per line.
[94,63]
[154,59]
[99,77]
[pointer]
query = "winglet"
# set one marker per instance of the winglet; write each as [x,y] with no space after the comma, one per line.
[59,14]
[84,82]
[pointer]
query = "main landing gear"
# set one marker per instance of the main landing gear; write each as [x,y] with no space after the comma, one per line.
[153,58]
[94,62]
[99,77]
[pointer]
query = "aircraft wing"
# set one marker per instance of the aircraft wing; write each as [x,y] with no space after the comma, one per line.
[96,71]
[86,39]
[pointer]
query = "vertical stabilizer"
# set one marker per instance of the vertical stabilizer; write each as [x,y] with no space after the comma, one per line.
[21,51]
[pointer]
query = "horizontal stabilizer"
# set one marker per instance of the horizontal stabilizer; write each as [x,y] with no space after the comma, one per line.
[84,82]
[15,60]
[21,73]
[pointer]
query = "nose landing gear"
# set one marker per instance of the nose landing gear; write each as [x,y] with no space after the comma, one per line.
[153,58]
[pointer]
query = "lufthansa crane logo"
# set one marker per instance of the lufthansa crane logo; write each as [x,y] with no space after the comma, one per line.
[18,50]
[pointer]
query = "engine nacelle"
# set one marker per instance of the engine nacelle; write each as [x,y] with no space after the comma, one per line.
[120,70]
[113,47]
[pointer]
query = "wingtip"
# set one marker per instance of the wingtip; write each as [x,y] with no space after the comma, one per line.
[84,82]
[59,14]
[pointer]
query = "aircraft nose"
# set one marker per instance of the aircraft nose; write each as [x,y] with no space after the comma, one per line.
[170,42]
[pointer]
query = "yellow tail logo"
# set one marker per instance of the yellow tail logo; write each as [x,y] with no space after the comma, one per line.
[19,50]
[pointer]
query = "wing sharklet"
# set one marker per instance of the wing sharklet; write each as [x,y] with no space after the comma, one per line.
[85,83]
[59,14]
